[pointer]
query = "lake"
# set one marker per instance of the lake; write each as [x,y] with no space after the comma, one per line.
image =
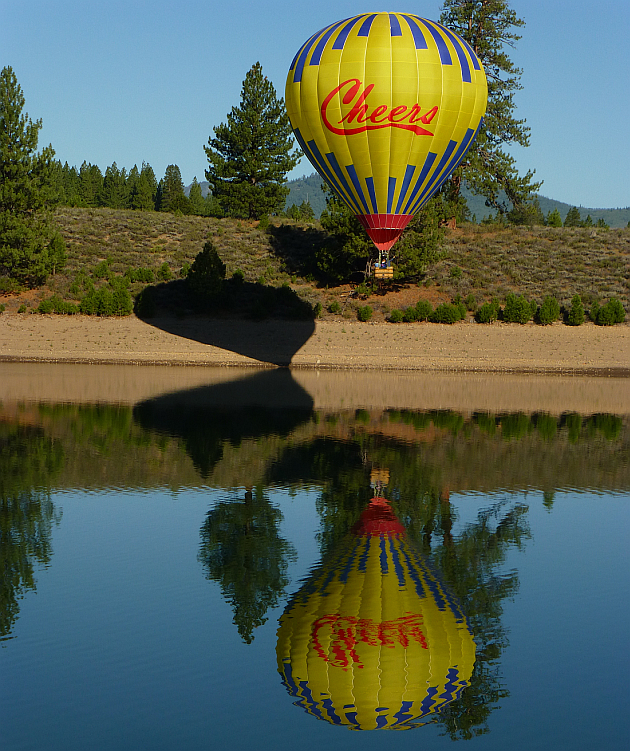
[200,558]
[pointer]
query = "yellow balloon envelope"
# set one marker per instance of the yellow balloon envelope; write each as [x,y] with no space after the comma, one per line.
[374,639]
[385,106]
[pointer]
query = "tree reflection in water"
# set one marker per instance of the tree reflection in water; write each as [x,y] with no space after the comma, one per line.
[28,462]
[242,550]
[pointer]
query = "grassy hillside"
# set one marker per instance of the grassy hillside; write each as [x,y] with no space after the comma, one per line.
[487,261]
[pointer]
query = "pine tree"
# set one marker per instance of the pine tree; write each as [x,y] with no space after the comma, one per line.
[488,26]
[195,199]
[554,219]
[143,189]
[114,191]
[27,193]
[573,217]
[172,196]
[250,156]
[91,184]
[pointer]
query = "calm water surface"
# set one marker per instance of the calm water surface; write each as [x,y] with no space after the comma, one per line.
[205,569]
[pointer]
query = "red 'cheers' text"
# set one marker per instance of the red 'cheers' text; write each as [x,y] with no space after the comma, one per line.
[380,116]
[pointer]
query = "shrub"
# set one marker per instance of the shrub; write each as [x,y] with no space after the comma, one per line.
[101,270]
[317,310]
[55,304]
[364,313]
[517,309]
[575,316]
[22,308]
[164,273]
[140,275]
[410,314]
[594,312]
[487,313]
[396,316]
[445,313]
[424,309]
[238,277]
[2,308]
[548,312]
[462,310]
[185,270]
[335,307]
[471,303]
[263,223]
[455,272]
[145,304]
[207,273]
[113,300]
[610,313]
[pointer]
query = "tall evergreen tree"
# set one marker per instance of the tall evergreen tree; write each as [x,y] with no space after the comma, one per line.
[90,184]
[488,26]
[114,191]
[195,199]
[143,189]
[29,247]
[573,217]
[250,156]
[172,196]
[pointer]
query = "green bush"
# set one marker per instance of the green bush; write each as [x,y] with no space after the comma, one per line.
[2,308]
[575,315]
[101,270]
[238,277]
[396,316]
[445,313]
[364,313]
[548,312]
[410,314]
[335,307]
[140,275]
[164,273]
[185,270]
[594,312]
[113,300]
[22,308]
[487,313]
[55,304]
[471,303]
[424,309]
[517,309]
[462,310]
[145,303]
[609,314]
[206,274]
[317,310]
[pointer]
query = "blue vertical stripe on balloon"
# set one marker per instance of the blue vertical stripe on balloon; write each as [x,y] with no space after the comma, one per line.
[405,186]
[364,31]
[310,705]
[394,25]
[430,187]
[471,52]
[369,181]
[391,189]
[403,713]
[330,710]
[463,60]
[350,169]
[436,180]
[319,48]
[313,153]
[343,34]
[445,55]
[397,564]
[416,31]
[299,66]
[429,701]
[365,553]
[381,721]
[345,571]
[428,163]
[383,556]
[332,159]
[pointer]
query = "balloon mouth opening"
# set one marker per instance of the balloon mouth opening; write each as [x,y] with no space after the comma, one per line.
[384,229]
[378,519]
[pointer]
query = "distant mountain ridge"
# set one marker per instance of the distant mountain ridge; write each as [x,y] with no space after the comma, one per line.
[309,188]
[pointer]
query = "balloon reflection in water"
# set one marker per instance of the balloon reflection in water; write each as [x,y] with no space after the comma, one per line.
[374,639]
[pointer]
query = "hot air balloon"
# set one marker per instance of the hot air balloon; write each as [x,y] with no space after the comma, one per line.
[385,106]
[373,639]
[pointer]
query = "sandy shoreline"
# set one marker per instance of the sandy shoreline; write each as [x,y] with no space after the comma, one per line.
[464,347]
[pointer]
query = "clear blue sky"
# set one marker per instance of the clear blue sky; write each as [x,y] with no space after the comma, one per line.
[139,80]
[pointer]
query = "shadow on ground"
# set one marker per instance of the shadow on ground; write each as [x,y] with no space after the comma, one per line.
[265,323]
